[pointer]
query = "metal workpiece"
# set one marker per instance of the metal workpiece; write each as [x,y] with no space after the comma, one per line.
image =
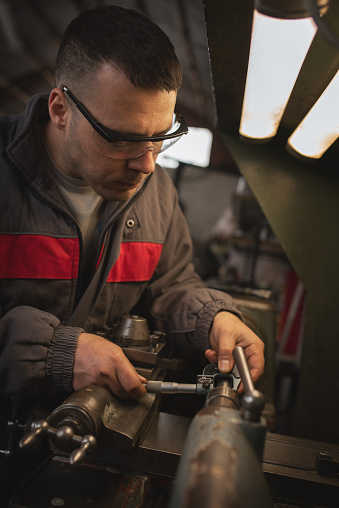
[253,427]
[219,467]
[223,396]
[221,461]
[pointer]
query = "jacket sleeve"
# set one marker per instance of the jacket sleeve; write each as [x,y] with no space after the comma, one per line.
[178,295]
[36,351]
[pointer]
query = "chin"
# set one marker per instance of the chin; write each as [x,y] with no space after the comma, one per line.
[114,195]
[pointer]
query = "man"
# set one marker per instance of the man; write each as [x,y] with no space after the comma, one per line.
[90,226]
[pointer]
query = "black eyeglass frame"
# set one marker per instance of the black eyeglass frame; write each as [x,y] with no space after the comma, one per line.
[114,136]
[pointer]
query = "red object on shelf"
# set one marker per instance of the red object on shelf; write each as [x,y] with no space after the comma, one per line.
[291,326]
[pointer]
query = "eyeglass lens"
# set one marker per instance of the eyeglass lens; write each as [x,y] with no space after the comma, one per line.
[133,150]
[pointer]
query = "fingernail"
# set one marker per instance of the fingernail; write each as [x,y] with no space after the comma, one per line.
[224,365]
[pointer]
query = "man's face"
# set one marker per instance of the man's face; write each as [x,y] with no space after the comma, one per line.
[120,106]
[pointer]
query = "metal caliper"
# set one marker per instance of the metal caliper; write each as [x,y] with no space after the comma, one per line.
[212,383]
[205,382]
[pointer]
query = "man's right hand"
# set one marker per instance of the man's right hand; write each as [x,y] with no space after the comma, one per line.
[100,362]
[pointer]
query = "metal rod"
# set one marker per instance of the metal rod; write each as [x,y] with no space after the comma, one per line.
[244,371]
[169,387]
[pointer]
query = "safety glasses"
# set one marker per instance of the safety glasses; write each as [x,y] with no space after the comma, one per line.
[124,146]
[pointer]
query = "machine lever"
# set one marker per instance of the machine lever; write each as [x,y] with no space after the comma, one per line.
[244,371]
[63,436]
[88,444]
[40,429]
[73,426]
[253,401]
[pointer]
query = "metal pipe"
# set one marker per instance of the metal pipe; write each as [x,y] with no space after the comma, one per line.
[219,466]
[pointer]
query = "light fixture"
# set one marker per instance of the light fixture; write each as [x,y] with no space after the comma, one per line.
[320,127]
[281,36]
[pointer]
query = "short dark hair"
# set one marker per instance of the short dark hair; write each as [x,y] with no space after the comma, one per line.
[120,37]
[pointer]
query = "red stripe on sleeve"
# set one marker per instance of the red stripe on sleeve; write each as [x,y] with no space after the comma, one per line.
[38,257]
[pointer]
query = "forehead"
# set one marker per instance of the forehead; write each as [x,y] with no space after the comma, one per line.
[118,104]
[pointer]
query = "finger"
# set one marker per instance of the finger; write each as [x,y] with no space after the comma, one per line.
[125,392]
[240,388]
[211,355]
[256,373]
[130,380]
[255,359]
[223,339]
[115,386]
[225,355]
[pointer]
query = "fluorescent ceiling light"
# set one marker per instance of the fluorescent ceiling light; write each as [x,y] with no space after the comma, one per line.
[278,49]
[194,148]
[320,127]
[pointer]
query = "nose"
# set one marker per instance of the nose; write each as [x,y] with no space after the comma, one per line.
[145,163]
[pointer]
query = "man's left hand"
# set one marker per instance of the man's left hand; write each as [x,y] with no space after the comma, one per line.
[227,332]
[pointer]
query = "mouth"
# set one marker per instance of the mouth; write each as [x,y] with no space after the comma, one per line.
[129,185]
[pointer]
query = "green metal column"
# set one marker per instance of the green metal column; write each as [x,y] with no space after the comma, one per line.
[302,206]
[300,200]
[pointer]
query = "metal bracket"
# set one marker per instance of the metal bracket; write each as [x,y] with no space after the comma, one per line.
[326,466]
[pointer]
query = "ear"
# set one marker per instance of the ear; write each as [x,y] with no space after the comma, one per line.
[58,108]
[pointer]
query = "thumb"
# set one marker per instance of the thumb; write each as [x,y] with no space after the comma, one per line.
[225,362]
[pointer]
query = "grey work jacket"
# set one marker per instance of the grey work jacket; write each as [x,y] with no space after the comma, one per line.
[143,264]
